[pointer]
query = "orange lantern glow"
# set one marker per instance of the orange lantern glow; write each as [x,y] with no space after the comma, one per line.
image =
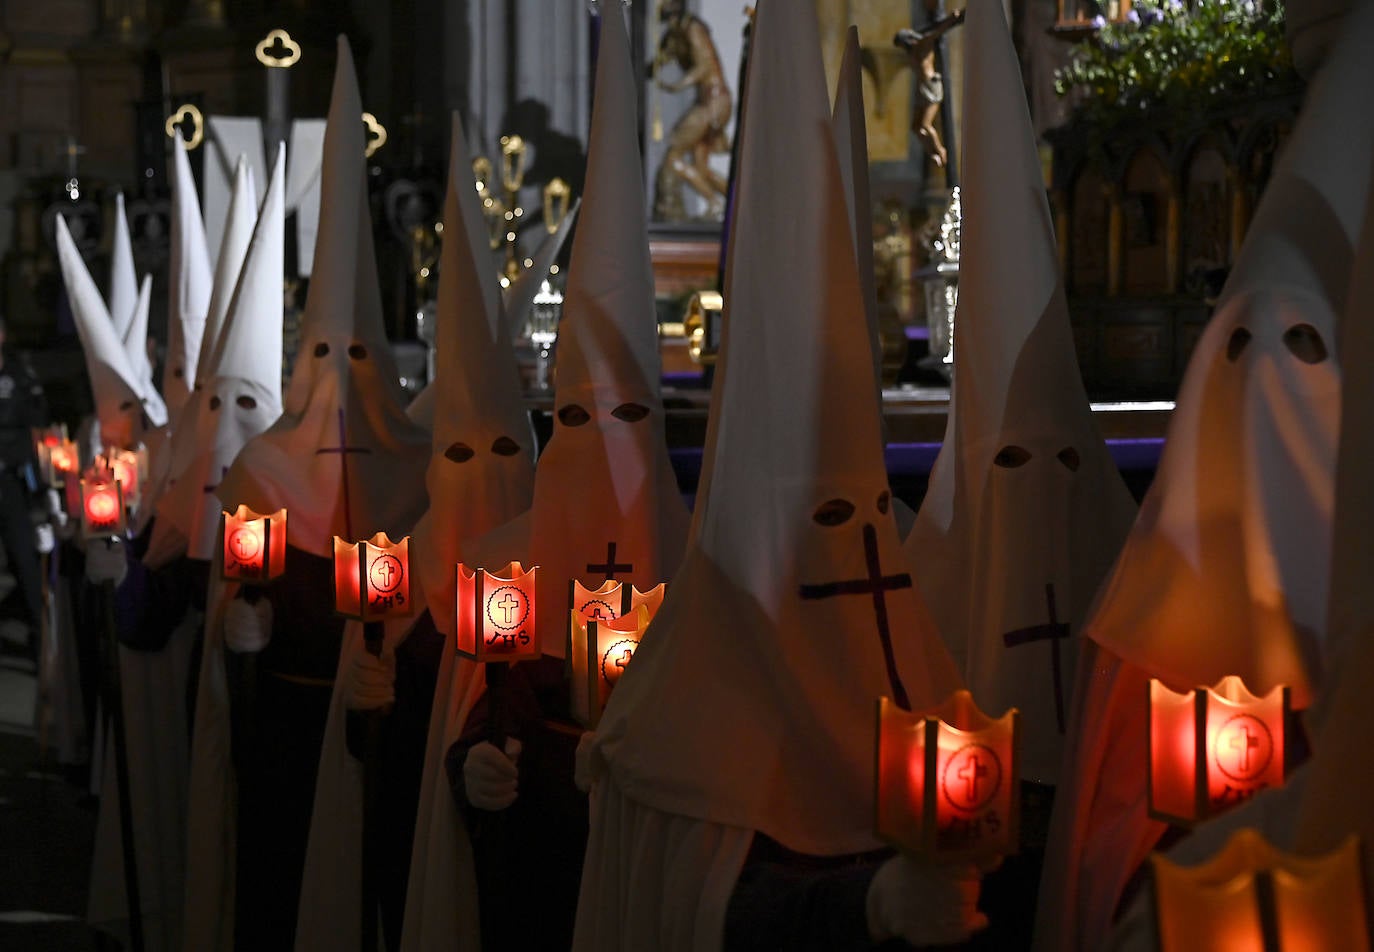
[948,779]
[600,653]
[496,614]
[372,578]
[1253,896]
[56,454]
[129,467]
[1211,748]
[254,545]
[612,600]
[102,506]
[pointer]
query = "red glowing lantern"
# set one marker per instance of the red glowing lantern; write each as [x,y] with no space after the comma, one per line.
[56,454]
[948,779]
[129,467]
[496,614]
[1253,896]
[600,653]
[254,545]
[102,506]
[1211,748]
[372,578]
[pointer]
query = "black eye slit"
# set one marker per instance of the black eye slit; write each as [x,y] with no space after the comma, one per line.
[127,405]
[505,446]
[197,388]
[573,415]
[884,501]
[630,412]
[459,453]
[357,351]
[247,402]
[834,512]
[215,403]
[178,373]
[1305,343]
[321,349]
[1010,457]
[1069,457]
[1239,338]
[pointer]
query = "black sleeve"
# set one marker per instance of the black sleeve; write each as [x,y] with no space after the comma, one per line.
[149,604]
[775,906]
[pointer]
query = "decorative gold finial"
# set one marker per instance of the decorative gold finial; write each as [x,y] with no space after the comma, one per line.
[278,39]
[187,113]
[376,137]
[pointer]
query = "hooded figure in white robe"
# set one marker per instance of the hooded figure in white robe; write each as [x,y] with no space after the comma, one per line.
[343,460]
[1026,509]
[746,715]
[162,598]
[480,475]
[1324,800]
[189,282]
[1227,567]
[606,500]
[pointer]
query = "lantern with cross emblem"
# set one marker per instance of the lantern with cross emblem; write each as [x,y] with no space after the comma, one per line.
[129,467]
[102,505]
[57,457]
[1253,896]
[496,614]
[948,783]
[254,545]
[372,578]
[610,601]
[605,627]
[1211,748]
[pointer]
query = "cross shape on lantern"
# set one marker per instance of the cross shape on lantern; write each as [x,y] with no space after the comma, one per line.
[971,773]
[1054,632]
[245,544]
[611,566]
[878,585]
[624,660]
[508,604]
[1242,741]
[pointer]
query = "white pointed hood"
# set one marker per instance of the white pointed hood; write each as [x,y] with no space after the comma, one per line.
[481,471]
[1227,569]
[135,343]
[1026,510]
[750,701]
[189,281]
[851,144]
[239,394]
[518,297]
[119,400]
[1335,797]
[604,492]
[123,294]
[239,223]
[343,458]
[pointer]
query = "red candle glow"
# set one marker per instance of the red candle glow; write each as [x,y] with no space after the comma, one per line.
[254,545]
[495,614]
[948,782]
[372,578]
[102,507]
[1211,748]
[600,653]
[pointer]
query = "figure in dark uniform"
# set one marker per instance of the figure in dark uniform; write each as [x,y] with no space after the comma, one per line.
[22,408]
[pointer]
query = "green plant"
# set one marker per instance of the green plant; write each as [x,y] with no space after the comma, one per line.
[1185,60]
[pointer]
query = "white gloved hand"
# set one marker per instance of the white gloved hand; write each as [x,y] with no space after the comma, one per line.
[105,561]
[371,681]
[490,777]
[54,508]
[247,628]
[44,540]
[924,903]
[586,768]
